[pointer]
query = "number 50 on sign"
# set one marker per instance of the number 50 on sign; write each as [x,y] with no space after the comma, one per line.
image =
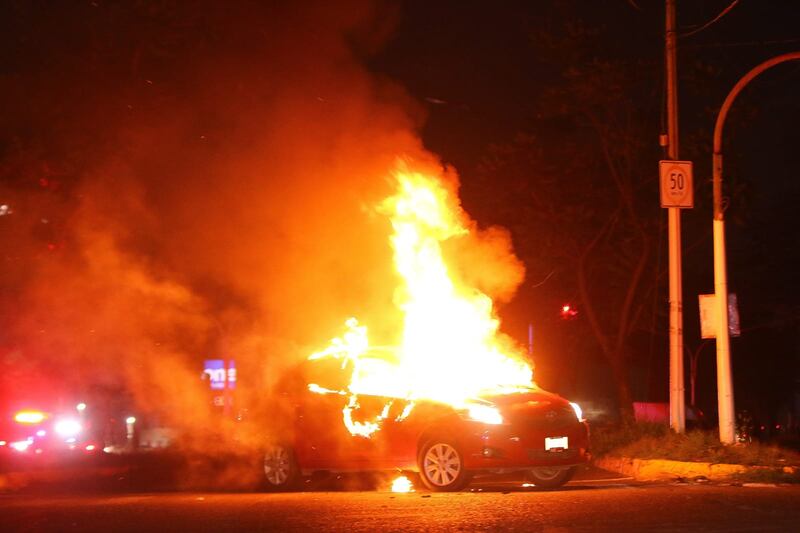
[677,189]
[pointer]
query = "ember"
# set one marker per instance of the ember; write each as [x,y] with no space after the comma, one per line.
[402,484]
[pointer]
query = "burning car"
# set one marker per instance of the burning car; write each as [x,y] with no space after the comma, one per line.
[452,396]
[526,430]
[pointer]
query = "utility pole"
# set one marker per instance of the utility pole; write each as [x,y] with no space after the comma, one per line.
[677,413]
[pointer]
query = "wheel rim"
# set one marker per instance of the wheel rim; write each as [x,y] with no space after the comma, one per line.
[441,464]
[546,473]
[277,465]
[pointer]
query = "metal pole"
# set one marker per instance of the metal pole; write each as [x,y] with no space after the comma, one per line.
[677,412]
[727,415]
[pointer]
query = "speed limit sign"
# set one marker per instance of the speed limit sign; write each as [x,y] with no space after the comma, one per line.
[676,184]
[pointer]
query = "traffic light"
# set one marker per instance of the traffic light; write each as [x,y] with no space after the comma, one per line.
[568,312]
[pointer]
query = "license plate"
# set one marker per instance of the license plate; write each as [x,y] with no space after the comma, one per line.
[556,443]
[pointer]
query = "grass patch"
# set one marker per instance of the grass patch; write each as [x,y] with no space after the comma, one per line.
[766,476]
[656,441]
[608,439]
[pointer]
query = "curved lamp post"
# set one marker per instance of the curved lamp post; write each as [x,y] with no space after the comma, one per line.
[727,430]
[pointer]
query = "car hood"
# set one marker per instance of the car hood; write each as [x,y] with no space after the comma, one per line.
[532,403]
[530,397]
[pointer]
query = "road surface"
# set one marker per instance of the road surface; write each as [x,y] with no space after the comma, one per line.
[593,502]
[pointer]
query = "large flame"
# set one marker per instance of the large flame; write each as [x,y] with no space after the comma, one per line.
[450,350]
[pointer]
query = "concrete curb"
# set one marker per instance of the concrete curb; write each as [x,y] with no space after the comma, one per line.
[665,470]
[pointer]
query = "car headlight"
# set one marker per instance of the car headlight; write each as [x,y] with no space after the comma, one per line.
[578,411]
[68,427]
[485,414]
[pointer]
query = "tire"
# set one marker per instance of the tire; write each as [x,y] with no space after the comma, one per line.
[441,466]
[280,471]
[550,477]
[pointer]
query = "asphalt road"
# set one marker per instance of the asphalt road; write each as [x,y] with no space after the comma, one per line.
[595,501]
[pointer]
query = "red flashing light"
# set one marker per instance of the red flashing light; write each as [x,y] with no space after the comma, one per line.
[29,417]
[568,312]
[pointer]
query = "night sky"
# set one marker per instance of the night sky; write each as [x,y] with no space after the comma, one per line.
[198,152]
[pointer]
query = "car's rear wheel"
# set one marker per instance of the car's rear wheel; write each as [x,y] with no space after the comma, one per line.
[281,471]
[441,466]
[550,476]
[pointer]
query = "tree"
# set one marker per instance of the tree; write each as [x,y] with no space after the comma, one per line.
[579,187]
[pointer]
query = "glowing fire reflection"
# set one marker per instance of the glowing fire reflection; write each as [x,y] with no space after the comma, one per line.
[450,349]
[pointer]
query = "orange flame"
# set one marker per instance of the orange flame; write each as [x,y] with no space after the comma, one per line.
[402,484]
[450,349]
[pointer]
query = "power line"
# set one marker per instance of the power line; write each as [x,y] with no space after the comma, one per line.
[743,43]
[712,21]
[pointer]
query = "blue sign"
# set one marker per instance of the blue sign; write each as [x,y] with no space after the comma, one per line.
[220,377]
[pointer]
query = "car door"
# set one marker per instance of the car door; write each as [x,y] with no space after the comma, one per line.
[323,439]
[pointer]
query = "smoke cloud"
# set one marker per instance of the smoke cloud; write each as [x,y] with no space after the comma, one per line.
[209,173]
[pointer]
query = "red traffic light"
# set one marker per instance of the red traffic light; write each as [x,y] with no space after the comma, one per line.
[568,312]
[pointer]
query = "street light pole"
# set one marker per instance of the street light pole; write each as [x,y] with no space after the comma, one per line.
[727,429]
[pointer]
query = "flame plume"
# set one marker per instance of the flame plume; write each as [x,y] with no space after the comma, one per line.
[450,348]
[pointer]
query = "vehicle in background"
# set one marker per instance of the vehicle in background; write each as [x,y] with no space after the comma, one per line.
[658,413]
[31,432]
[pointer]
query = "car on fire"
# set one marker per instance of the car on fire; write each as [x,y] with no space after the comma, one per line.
[526,430]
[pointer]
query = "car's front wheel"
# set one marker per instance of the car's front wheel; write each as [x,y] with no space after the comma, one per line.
[441,466]
[281,471]
[550,477]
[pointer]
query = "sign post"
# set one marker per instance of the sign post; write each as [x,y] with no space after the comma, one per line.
[677,192]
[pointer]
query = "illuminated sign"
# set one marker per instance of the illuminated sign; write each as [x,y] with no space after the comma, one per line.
[220,377]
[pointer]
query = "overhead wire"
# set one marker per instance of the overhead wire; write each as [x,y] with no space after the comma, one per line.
[712,21]
[741,43]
